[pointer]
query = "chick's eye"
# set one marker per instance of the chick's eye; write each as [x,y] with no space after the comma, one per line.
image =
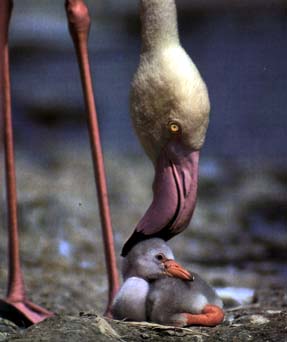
[159,257]
[174,127]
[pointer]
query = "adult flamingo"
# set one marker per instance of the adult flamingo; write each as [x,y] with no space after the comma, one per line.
[16,305]
[170,112]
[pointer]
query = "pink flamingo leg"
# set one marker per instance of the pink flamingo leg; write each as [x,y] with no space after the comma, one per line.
[79,25]
[211,315]
[15,306]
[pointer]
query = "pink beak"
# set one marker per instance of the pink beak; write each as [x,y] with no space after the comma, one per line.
[174,195]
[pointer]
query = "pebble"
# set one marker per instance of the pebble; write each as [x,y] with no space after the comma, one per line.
[258,319]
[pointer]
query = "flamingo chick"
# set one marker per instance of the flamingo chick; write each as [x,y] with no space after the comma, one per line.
[158,289]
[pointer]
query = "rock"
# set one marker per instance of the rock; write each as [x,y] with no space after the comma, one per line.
[7,328]
[258,319]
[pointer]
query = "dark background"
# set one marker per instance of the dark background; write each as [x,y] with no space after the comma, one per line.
[240,51]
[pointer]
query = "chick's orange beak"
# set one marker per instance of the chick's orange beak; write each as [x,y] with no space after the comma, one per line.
[173,269]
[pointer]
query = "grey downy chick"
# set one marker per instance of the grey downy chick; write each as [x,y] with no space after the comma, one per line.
[158,289]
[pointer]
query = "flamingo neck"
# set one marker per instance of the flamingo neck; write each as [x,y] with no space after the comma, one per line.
[159,24]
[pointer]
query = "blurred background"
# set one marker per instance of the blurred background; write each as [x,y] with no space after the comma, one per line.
[237,239]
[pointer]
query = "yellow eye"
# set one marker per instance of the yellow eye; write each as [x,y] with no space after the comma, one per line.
[174,127]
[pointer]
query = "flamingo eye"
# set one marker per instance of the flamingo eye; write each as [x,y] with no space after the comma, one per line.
[159,257]
[174,127]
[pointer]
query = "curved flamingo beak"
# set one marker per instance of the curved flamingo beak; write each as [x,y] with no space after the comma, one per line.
[174,195]
[175,190]
[173,269]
